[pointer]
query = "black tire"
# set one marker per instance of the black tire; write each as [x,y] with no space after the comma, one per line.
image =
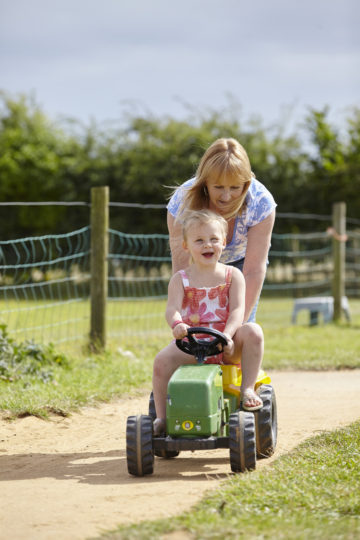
[139,448]
[166,454]
[242,441]
[266,422]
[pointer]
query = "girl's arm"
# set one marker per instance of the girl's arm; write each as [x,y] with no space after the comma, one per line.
[179,257]
[258,244]
[173,307]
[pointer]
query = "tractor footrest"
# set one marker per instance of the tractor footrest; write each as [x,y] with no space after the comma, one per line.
[181,444]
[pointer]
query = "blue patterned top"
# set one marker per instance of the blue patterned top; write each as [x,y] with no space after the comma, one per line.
[259,205]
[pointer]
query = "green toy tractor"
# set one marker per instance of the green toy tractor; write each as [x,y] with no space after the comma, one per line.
[204,412]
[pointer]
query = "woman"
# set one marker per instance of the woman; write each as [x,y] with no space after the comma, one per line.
[225,184]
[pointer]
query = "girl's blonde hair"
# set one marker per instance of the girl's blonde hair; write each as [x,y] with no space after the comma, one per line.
[225,158]
[201,217]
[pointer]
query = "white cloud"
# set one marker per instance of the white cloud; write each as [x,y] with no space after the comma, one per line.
[84,57]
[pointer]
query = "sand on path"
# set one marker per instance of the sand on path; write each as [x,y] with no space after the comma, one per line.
[67,479]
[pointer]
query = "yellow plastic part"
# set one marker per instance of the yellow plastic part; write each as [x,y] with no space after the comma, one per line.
[232,377]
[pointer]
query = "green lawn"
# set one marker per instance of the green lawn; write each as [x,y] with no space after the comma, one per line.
[300,346]
[67,323]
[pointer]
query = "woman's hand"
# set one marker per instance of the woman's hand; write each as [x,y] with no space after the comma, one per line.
[180,331]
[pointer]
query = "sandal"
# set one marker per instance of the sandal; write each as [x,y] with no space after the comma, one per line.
[247,396]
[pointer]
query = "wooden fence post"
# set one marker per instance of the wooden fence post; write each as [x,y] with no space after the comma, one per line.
[99,266]
[339,235]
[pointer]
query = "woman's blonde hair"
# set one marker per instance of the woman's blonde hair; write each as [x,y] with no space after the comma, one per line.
[225,158]
[201,217]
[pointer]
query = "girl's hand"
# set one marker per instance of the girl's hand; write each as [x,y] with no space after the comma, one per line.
[180,330]
[229,348]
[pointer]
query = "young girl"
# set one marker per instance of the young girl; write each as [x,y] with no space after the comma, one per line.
[211,294]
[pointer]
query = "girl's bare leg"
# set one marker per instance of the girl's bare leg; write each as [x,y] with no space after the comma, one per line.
[249,346]
[165,363]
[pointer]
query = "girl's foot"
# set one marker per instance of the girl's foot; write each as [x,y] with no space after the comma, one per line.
[159,427]
[250,400]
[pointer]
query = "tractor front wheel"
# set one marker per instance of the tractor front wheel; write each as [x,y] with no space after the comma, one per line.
[242,442]
[139,448]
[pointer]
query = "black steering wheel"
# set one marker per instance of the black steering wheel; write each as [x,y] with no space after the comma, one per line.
[201,348]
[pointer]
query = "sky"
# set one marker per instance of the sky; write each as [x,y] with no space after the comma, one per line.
[98,60]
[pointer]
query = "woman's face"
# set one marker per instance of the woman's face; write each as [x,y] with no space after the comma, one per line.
[223,193]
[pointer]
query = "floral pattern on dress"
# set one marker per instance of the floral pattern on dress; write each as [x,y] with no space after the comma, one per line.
[221,292]
[192,299]
[207,306]
[200,316]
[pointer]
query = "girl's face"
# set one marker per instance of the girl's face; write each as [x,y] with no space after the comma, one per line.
[205,242]
[223,194]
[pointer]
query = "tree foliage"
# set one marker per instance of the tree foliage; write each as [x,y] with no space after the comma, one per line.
[143,158]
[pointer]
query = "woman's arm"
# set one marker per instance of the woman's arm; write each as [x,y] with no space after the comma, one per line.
[173,307]
[236,310]
[236,302]
[258,244]
[179,257]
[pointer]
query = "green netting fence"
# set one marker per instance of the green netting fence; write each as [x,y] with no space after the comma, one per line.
[45,281]
[44,287]
[139,272]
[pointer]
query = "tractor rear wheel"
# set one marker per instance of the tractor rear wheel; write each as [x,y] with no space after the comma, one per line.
[266,422]
[139,448]
[242,441]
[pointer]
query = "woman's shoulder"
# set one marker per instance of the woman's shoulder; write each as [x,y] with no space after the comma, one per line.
[259,202]
[257,189]
[178,196]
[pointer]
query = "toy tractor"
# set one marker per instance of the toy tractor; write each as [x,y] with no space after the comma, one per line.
[204,412]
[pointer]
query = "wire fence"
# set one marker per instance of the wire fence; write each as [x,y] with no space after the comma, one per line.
[44,286]
[45,280]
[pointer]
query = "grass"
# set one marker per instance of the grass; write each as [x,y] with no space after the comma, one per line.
[304,347]
[127,365]
[312,492]
[86,381]
[67,323]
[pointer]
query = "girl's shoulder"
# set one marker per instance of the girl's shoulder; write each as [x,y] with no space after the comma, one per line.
[177,277]
[183,277]
[236,274]
[227,273]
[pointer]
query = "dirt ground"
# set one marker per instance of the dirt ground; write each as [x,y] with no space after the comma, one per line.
[66,479]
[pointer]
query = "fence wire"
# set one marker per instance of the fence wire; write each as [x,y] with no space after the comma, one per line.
[45,281]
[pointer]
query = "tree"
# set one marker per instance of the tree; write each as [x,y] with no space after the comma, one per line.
[142,159]
[35,157]
[334,171]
